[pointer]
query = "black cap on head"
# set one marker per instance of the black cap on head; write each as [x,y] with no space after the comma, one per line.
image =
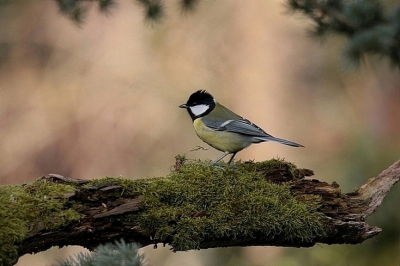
[199,104]
[200,97]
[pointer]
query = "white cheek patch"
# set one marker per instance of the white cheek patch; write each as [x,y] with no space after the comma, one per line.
[199,109]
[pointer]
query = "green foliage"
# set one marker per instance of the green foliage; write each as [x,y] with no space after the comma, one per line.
[371,27]
[153,9]
[202,202]
[77,9]
[109,254]
[24,209]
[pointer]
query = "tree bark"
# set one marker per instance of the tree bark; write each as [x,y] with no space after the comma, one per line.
[107,213]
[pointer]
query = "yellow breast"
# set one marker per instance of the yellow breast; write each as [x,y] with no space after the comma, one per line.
[220,140]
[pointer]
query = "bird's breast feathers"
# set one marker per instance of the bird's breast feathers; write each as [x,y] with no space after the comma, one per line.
[220,139]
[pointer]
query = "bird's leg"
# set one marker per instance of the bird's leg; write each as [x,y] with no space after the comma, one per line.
[220,158]
[231,159]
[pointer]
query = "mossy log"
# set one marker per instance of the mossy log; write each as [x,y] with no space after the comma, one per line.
[271,203]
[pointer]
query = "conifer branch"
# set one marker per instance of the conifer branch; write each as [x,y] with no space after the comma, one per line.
[370,26]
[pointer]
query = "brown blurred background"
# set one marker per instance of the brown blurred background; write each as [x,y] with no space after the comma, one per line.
[101,99]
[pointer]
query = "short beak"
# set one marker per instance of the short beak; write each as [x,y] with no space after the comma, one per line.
[183,106]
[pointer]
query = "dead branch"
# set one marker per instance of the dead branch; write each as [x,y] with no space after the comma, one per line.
[111,209]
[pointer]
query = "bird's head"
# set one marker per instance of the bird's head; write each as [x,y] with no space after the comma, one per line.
[199,104]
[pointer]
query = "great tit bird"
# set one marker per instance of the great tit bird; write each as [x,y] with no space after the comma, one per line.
[222,129]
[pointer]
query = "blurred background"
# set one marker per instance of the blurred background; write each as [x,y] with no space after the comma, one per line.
[101,99]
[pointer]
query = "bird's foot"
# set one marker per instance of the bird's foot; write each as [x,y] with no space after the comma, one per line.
[232,165]
[213,164]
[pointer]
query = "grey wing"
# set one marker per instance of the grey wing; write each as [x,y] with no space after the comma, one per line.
[245,127]
[240,126]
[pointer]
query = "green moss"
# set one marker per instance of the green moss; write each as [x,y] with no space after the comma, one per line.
[24,209]
[129,188]
[203,202]
[194,203]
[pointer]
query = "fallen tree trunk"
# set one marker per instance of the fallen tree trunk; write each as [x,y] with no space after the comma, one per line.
[195,207]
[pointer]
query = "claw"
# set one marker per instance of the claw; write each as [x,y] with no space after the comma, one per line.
[218,167]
